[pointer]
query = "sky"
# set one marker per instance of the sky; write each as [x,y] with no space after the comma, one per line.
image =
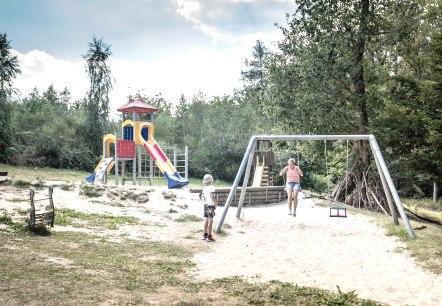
[172,47]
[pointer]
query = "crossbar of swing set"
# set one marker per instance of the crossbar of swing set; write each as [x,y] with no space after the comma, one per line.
[380,163]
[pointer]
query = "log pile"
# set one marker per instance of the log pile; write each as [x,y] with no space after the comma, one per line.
[364,192]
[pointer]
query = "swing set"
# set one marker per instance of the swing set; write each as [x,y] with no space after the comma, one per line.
[386,180]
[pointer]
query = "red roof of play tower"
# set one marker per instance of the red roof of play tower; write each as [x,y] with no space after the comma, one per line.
[138,106]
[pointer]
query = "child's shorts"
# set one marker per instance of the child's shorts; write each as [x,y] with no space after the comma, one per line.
[209,211]
[293,186]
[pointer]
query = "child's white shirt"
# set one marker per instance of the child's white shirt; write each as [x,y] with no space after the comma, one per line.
[207,192]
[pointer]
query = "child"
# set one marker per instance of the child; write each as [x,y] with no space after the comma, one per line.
[210,203]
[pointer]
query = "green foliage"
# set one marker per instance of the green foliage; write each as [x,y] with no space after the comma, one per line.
[21,183]
[56,142]
[5,219]
[71,217]
[408,117]
[90,191]
[188,218]
[9,68]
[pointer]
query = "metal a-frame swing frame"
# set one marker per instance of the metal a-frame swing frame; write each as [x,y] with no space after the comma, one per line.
[387,182]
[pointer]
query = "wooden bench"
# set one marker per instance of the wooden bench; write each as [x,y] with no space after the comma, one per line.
[336,212]
[41,216]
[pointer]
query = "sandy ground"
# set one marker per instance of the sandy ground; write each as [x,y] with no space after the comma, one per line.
[310,249]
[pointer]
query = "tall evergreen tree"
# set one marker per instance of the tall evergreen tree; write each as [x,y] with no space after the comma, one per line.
[180,114]
[101,84]
[9,68]
[254,78]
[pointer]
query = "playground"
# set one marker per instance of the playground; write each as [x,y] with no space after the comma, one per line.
[349,256]
[265,244]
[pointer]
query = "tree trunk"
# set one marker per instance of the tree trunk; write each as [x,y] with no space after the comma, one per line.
[359,84]
[435,192]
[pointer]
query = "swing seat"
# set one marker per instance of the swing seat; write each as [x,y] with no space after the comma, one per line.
[336,212]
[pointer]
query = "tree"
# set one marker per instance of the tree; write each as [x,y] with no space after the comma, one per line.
[41,142]
[101,84]
[410,117]
[254,78]
[9,68]
[180,127]
[329,58]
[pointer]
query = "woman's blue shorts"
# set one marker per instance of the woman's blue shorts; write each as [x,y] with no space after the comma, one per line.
[293,186]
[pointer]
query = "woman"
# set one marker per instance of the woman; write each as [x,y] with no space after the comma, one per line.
[293,184]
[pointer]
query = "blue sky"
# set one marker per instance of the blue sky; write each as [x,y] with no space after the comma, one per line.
[171,47]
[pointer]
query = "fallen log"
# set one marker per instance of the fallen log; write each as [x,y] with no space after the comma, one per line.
[423,214]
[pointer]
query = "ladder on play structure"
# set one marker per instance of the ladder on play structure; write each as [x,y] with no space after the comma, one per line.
[261,177]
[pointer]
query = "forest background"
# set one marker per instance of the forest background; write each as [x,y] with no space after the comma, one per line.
[343,67]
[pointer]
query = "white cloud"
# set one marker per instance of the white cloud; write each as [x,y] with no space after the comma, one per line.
[235,21]
[40,70]
[188,72]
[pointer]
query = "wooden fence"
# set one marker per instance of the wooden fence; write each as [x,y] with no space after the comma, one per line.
[254,195]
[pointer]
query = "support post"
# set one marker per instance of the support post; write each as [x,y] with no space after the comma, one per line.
[377,151]
[186,165]
[138,152]
[134,168]
[104,156]
[245,181]
[151,168]
[386,190]
[235,183]
[116,160]
[174,158]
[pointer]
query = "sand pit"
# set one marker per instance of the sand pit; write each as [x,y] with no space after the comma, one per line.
[315,250]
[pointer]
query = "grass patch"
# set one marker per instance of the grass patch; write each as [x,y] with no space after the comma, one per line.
[427,204]
[188,218]
[90,191]
[50,174]
[45,173]
[71,217]
[69,268]
[67,187]
[5,219]
[283,293]
[17,200]
[21,183]
[22,212]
